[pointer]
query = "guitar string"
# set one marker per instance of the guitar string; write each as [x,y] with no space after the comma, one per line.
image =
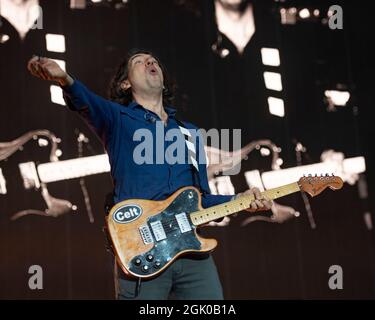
[166,223]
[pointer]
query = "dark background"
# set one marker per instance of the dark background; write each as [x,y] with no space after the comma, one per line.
[259,261]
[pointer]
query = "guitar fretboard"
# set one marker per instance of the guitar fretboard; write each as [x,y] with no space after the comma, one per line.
[239,204]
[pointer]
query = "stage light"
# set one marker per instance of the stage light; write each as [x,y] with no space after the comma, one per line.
[42,142]
[273,81]
[96,1]
[279,162]
[337,98]
[3,38]
[224,52]
[77,4]
[218,48]
[270,57]
[304,13]
[55,42]
[265,152]
[288,15]
[57,95]
[276,106]
[58,153]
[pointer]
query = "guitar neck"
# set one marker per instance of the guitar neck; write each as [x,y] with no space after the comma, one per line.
[239,204]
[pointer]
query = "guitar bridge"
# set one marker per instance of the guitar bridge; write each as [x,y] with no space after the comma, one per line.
[146,234]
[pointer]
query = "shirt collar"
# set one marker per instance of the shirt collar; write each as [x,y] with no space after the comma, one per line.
[168,109]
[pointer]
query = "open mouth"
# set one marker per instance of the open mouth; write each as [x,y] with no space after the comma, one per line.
[152,70]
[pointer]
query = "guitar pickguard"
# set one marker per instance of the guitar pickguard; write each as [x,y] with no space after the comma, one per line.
[172,232]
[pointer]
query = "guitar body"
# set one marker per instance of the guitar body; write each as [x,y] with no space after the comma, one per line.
[147,236]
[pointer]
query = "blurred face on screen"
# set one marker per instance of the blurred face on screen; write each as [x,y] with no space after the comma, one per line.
[233,4]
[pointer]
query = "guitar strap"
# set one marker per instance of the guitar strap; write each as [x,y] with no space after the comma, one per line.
[192,152]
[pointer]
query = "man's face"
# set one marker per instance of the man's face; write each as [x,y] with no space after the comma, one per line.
[145,74]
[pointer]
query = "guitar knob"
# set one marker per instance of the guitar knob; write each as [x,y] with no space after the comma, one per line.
[157,264]
[145,268]
[150,257]
[137,262]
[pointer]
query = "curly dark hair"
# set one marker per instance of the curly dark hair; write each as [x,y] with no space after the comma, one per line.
[125,97]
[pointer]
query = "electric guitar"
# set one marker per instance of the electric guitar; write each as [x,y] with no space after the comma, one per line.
[147,236]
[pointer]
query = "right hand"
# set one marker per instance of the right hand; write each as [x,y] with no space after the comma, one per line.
[48,69]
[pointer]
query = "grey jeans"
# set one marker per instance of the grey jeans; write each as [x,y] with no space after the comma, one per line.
[192,277]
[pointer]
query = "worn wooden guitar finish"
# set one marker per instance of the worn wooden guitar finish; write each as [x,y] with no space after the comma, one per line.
[147,236]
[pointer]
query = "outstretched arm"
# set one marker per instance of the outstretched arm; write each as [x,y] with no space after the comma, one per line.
[48,69]
[97,111]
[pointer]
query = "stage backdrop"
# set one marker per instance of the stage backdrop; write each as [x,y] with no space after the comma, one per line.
[216,89]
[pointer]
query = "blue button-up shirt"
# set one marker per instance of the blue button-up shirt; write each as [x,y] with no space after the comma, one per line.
[115,125]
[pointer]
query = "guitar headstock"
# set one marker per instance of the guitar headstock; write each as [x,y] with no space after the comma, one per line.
[314,185]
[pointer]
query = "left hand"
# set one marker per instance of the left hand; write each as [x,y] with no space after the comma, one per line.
[261,203]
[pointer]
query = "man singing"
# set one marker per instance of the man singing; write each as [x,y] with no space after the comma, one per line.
[139,98]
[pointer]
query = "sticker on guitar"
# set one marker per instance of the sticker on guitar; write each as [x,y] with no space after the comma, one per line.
[127,213]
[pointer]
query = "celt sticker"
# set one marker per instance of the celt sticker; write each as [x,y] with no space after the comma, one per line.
[127,213]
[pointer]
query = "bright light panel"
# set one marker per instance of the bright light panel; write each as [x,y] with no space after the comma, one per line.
[338,98]
[55,42]
[57,95]
[276,106]
[273,80]
[270,56]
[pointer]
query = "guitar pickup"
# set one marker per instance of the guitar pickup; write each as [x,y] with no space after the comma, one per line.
[183,222]
[158,230]
[146,234]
